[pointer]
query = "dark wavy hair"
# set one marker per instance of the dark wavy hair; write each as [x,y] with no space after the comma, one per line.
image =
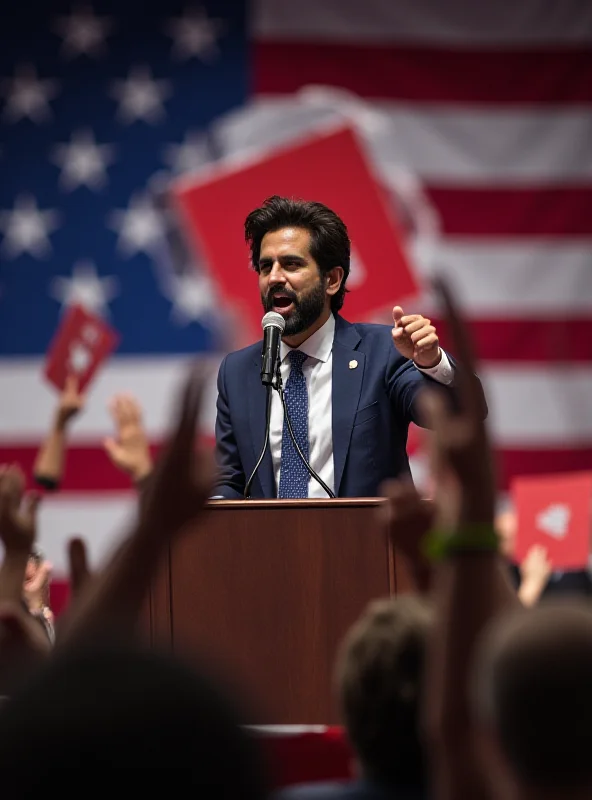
[329,239]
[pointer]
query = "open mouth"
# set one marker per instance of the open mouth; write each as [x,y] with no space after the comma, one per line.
[282,304]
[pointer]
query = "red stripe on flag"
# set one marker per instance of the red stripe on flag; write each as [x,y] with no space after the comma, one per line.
[88,468]
[514,211]
[550,76]
[59,595]
[89,472]
[565,340]
[513,462]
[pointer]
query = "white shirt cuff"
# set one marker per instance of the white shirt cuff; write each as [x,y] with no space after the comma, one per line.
[442,372]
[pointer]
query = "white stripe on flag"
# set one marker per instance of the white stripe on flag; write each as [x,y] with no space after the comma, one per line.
[529,404]
[28,401]
[461,146]
[539,407]
[101,520]
[519,278]
[455,22]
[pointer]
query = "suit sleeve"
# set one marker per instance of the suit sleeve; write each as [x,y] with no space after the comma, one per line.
[405,383]
[231,477]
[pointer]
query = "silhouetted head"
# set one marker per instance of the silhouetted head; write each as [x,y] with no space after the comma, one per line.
[119,706]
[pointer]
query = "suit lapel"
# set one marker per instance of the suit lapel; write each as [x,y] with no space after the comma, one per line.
[256,394]
[347,385]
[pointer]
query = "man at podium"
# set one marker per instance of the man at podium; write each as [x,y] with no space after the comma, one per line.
[350,389]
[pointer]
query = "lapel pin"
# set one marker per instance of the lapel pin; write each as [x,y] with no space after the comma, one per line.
[353,364]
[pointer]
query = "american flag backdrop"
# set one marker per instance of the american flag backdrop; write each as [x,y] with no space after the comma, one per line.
[477,116]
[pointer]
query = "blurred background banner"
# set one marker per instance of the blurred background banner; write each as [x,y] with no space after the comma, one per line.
[474,121]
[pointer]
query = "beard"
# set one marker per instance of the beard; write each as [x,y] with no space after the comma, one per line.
[307,308]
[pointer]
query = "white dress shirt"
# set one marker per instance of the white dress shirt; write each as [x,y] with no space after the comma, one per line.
[317,370]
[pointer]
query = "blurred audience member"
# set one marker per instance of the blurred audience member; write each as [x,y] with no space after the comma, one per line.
[378,676]
[533,702]
[114,705]
[36,590]
[535,578]
[24,643]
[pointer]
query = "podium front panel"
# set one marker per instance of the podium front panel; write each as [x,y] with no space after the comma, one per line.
[264,592]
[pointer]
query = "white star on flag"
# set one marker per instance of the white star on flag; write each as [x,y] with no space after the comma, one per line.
[195,35]
[83,33]
[26,228]
[140,226]
[188,156]
[140,96]
[27,96]
[193,297]
[83,161]
[85,288]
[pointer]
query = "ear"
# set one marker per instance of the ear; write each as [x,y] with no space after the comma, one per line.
[334,279]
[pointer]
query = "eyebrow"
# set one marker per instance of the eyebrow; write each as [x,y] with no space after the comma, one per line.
[286,257]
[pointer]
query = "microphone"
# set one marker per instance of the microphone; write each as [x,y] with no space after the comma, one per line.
[273,325]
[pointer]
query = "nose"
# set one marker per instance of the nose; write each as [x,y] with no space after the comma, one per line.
[276,274]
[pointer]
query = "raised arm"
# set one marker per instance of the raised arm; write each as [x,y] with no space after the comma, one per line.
[48,470]
[471,584]
[174,497]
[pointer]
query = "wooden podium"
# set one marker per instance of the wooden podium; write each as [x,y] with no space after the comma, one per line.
[267,589]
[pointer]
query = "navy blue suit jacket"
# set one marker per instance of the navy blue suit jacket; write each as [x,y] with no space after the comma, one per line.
[373,405]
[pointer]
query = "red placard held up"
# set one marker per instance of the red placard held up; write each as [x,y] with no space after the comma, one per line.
[325,166]
[82,343]
[554,511]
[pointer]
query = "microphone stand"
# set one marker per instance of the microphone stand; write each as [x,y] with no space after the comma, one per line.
[247,492]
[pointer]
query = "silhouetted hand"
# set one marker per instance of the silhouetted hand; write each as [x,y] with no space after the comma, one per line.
[18,512]
[130,449]
[183,477]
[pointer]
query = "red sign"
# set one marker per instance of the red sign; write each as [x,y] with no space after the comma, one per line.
[82,342]
[329,167]
[554,511]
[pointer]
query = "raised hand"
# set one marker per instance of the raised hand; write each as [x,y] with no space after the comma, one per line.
[460,449]
[79,570]
[24,646]
[183,476]
[408,518]
[535,572]
[18,513]
[71,402]
[130,450]
[174,495]
[36,587]
[51,458]
[416,338]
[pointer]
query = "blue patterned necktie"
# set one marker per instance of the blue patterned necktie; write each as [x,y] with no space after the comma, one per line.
[293,473]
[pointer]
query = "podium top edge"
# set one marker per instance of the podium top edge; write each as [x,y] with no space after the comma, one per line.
[351,502]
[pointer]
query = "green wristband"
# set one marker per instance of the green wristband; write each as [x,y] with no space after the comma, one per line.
[438,545]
